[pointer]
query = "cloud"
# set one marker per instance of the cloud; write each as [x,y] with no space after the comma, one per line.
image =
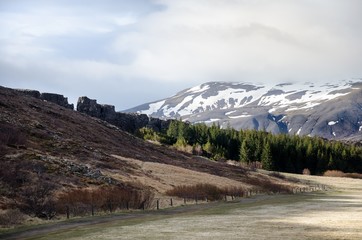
[256,40]
[130,52]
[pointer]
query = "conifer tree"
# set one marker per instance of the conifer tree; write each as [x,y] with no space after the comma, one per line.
[266,157]
[245,152]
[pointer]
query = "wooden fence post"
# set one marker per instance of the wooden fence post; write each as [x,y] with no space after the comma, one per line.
[67,210]
[171,203]
[158,204]
[110,207]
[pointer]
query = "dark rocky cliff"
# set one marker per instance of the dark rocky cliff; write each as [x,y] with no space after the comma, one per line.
[129,122]
[126,121]
[50,97]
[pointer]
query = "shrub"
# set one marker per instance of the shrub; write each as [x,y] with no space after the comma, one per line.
[269,186]
[11,217]
[306,171]
[38,200]
[234,191]
[77,201]
[11,136]
[147,134]
[354,175]
[197,150]
[107,199]
[209,191]
[183,148]
[336,173]
[253,166]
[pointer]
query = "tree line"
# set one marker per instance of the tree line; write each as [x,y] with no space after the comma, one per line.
[276,152]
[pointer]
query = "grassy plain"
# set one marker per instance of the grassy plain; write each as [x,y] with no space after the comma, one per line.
[334,214]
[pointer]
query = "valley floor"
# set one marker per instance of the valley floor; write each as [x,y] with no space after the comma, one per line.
[335,214]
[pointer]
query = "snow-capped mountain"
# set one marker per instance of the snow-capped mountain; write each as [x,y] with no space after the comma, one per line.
[333,111]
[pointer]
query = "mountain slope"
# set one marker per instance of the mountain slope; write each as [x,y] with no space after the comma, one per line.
[42,142]
[331,111]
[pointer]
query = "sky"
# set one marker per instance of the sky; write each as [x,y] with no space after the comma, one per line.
[127,53]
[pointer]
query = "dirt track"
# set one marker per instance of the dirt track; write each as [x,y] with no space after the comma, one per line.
[336,214]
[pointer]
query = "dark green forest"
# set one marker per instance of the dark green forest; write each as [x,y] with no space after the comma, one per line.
[280,152]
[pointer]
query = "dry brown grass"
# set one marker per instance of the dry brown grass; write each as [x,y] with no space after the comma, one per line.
[163,177]
[336,173]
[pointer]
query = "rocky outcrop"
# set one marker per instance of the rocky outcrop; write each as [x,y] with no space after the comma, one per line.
[32,93]
[92,108]
[78,169]
[57,99]
[50,97]
[127,122]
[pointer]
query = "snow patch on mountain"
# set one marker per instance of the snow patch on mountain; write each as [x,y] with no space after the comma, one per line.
[154,107]
[233,96]
[331,123]
[199,88]
[228,113]
[240,116]
[299,130]
[212,120]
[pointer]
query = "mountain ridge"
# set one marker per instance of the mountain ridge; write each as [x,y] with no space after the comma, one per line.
[332,111]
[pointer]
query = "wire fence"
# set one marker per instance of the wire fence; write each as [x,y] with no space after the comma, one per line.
[169,202]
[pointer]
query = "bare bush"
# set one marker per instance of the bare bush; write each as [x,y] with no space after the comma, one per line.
[3,150]
[268,186]
[306,171]
[197,150]
[253,166]
[354,175]
[11,136]
[11,217]
[336,173]
[76,201]
[107,199]
[234,191]
[184,148]
[208,191]
[38,200]
[13,174]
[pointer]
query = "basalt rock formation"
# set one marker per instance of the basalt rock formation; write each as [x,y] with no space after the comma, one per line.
[50,97]
[125,121]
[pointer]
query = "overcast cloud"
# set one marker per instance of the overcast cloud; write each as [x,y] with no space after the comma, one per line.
[127,53]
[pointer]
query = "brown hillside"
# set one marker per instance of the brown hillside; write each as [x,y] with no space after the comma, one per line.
[42,141]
